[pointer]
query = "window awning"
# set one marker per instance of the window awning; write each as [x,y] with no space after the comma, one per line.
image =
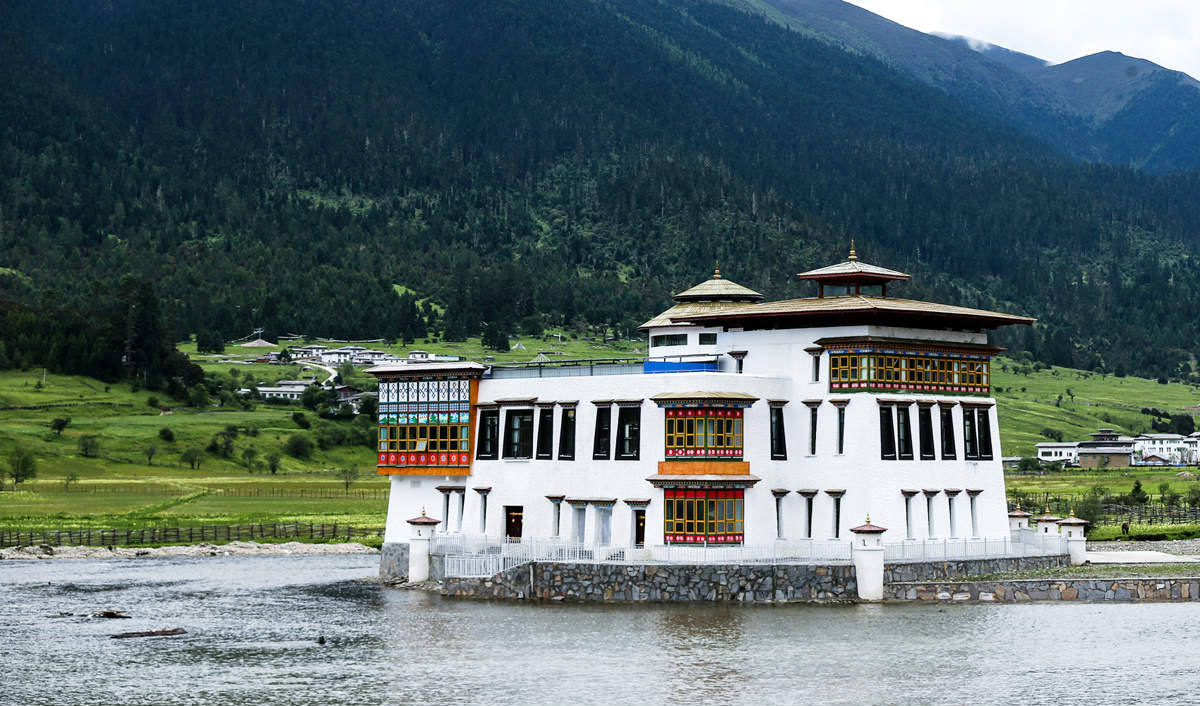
[702,481]
[701,398]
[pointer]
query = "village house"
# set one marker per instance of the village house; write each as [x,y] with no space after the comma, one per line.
[750,422]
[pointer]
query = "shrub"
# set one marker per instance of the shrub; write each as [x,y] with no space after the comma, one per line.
[1051,433]
[301,420]
[89,446]
[152,401]
[58,424]
[166,434]
[299,446]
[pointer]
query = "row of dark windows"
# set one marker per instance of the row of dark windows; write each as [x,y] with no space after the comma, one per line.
[518,439]
[896,433]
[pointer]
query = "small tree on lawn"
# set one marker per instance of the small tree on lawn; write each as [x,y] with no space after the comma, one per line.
[58,424]
[71,477]
[166,434]
[22,466]
[347,476]
[274,460]
[192,457]
[148,451]
[89,446]
[248,455]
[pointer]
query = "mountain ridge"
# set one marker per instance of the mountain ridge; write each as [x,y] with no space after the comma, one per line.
[526,163]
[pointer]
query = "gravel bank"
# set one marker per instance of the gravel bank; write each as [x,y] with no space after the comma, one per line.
[231,549]
[1186,547]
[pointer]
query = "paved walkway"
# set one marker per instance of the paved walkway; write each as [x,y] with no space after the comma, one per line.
[1139,557]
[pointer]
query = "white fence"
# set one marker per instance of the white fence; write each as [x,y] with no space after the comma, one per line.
[1020,545]
[467,556]
[477,556]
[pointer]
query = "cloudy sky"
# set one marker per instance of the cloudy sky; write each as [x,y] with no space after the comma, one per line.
[1166,32]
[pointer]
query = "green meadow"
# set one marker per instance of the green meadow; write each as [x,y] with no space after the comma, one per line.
[122,486]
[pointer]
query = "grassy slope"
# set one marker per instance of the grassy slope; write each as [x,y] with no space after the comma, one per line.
[140,491]
[1029,403]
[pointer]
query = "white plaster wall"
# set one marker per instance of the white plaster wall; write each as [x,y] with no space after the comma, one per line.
[777,368]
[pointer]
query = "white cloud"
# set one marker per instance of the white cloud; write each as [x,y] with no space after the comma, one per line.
[1166,32]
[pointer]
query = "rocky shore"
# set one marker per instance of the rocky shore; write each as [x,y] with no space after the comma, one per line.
[230,549]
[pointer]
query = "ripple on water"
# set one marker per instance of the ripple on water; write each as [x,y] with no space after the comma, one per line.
[253,623]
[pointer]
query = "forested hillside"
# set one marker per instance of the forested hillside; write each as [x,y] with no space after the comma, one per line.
[284,164]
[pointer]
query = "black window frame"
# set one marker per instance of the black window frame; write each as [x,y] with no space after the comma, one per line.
[970,435]
[816,367]
[946,418]
[977,428]
[841,431]
[602,440]
[566,434]
[778,434]
[629,433]
[668,340]
[925,432]
[904,433]
[708,339]
[887,433]
[545,433]
[518,440]
[813,411]
[488,446]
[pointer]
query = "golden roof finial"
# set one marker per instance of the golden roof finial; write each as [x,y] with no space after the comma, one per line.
[853,255]
[422,511]
[717,270]
[868,518]
[1018,507]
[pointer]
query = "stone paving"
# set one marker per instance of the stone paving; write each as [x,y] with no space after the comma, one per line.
[1186,547]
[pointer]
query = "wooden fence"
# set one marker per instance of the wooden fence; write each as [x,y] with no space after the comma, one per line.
[184,535]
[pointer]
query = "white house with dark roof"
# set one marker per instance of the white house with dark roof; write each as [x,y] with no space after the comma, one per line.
[749,423]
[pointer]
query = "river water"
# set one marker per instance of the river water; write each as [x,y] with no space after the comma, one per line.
[253,623]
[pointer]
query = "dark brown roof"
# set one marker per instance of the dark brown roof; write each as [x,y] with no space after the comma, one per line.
[815,308]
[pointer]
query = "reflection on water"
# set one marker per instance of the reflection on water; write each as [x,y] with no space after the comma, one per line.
[253,623]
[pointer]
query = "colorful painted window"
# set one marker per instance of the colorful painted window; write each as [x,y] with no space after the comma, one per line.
[866,371]
[703,516]
[425,423]
[704,433]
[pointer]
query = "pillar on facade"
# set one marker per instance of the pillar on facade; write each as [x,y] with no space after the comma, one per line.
[418,546]
[1073,529]
[1047,523]
[868,560]
[1018,519]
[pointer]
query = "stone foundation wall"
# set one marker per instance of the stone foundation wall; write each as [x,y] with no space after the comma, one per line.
[393,562]
[939,570]
[783,583]
[1132,589]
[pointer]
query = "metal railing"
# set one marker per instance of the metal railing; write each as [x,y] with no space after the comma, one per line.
[479,556]
[467,556]
[1019,545]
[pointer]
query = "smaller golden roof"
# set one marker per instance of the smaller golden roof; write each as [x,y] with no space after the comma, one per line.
[718,289]
[685,309]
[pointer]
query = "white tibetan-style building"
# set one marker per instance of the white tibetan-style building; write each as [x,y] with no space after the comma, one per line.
[748,422]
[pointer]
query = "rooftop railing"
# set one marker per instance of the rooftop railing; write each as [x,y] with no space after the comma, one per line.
[586,367]
[478,556]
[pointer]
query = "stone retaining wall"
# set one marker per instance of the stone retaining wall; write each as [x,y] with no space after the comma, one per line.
[781,583]
[1016,591]
[935,570]
[393,562]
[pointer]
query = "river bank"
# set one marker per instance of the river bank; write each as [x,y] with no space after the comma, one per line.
[186,550]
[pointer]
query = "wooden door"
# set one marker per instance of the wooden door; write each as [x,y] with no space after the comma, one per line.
[513,519]
[639,527]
